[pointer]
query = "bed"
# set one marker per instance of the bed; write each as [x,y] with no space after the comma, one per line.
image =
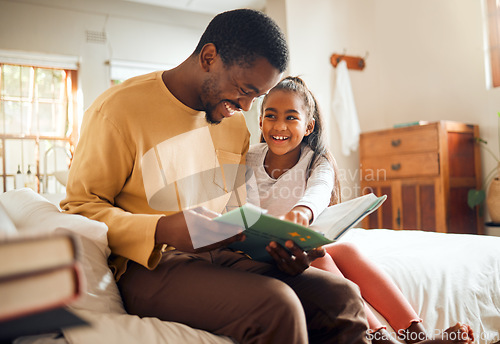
[446,277]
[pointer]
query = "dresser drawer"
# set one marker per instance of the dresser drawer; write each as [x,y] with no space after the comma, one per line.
[400,166]
[400,141]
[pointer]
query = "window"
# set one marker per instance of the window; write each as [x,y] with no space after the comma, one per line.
[38,124]
[122,70]
[493,10]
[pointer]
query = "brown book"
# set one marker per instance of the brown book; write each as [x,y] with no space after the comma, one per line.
[38,291]
[23,254]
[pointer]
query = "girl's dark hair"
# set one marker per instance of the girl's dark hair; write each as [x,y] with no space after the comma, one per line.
[316,140]
[243,35]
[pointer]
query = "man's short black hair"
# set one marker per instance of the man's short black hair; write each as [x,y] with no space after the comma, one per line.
[242,35]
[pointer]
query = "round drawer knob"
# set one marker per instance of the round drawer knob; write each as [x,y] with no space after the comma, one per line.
[396,143]
[396,167]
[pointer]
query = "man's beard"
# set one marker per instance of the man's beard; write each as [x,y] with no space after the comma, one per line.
[208,90]
[209,116]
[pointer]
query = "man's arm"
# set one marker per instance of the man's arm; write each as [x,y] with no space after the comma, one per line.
[194,231]
[104,160]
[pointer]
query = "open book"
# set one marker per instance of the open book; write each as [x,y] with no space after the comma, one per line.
[261,228]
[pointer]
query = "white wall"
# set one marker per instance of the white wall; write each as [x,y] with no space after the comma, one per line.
[135,32]
[317,30]
[426,62]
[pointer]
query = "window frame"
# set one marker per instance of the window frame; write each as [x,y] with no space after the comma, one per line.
[70,137]
[493,29]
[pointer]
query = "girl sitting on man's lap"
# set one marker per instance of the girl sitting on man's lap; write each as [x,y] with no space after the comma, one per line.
[296,178]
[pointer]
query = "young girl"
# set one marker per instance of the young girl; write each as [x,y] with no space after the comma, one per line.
[296,176]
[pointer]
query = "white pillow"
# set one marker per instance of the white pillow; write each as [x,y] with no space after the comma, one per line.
[7,227]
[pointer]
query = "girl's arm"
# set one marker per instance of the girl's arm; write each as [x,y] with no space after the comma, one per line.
[317,195]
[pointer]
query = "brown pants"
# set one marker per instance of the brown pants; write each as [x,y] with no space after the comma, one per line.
[252,302]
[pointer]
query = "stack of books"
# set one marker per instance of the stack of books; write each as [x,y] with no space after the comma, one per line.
[39,277]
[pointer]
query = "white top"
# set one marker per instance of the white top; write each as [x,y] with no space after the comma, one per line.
[291,189]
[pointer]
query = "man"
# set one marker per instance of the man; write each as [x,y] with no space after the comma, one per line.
[154,163]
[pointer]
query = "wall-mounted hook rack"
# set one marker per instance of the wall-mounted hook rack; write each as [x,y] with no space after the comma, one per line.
[353,62]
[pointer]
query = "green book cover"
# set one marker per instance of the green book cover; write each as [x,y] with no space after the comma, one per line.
[262,228]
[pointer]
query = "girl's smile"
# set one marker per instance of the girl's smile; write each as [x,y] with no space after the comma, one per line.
[279,139]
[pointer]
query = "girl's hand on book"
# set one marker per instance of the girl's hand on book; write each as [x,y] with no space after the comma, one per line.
[296,262]
[300,215]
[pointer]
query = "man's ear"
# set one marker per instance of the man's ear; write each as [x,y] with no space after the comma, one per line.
[207,56]
[310,127]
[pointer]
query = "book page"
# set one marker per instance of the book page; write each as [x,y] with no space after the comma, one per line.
[336,219]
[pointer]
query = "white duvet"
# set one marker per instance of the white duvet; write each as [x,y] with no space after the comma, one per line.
[448,278]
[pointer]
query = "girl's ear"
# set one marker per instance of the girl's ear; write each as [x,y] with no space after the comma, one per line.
[260,122]
[207,56]
[310,127]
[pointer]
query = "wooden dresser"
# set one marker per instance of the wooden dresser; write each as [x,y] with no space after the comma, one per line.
[426,172]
